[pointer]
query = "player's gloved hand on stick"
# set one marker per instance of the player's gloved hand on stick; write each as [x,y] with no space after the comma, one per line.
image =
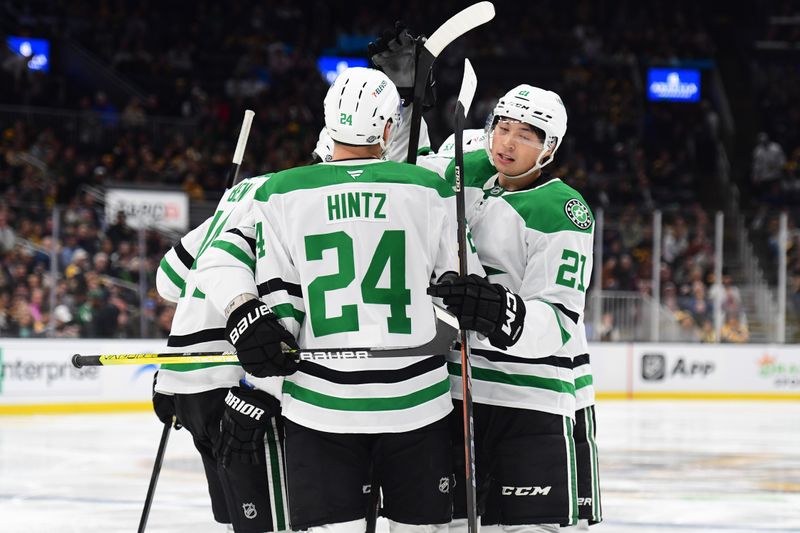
[258,338]
[488,308]
[395,52]
[248,412]
[164,406]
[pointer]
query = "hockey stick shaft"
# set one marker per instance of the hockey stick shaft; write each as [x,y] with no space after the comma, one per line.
[241,144]
[424,64]
[456,26]
[462,109]
[79,361]
[151,489]
[441,343]
[374,504]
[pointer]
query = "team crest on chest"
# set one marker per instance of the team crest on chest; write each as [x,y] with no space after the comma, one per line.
[578,213]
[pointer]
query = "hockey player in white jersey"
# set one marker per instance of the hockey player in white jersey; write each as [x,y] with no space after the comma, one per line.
[509,203]
[347,249]
[585,425]
[534,235]
[243,465]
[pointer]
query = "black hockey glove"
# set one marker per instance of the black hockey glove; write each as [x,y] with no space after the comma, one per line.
[248,412]
[258,338]
[164,406]
[488,308]
[395,52]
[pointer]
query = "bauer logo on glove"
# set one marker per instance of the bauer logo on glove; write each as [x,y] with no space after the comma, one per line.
[259,339]
[250,318]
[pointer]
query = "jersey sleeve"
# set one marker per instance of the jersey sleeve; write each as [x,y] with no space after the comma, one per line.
[397,150]
[226,268]
[557,273]
[446,255]
[176,263]
[278,279]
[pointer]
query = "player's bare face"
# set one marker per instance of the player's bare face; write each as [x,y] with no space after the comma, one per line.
[515,147]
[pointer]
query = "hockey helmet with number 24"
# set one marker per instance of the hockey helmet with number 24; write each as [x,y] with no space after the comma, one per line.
[359,104]
[541,109]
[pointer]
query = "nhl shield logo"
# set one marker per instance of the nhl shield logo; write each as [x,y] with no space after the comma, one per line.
[578,213]
[249,510]
[654,366]
[444,485]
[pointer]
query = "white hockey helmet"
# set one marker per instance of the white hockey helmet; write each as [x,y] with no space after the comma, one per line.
[541,109]
[359,104]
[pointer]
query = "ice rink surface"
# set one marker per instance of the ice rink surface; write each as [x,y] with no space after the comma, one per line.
[666,467]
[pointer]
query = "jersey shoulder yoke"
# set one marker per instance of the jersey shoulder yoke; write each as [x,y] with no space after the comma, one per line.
[552,207]
[477,169]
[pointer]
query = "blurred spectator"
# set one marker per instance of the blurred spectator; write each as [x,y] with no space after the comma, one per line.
[707,333]
[98,316]
[119,231]
[733,330]
[768,162]
[688,331]
[608,331]
[133,116]
[64,324]
[7,237]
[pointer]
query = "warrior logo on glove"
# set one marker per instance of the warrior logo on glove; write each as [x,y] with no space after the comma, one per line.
[247,409]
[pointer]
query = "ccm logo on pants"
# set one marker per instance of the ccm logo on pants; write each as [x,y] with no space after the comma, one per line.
[525,491]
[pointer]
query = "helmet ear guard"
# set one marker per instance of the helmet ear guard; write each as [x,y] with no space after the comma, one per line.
[542,109]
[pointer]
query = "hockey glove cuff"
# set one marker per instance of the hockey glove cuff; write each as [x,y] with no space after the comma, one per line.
[258,338]
[164,406]
[490,309]
[248,412]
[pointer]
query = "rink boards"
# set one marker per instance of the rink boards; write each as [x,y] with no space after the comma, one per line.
[36,376]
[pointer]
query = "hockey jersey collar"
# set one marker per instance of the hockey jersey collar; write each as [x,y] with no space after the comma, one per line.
[492,186]
[353,161]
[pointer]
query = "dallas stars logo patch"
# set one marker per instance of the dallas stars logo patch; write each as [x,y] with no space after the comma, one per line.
[578,213]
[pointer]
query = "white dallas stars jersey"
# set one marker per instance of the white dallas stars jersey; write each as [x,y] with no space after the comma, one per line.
[197,326]
[344,253]
[537,242]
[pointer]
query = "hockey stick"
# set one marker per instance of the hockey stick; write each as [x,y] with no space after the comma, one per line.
[456,26]
[465,95]
[374,504]
[151,489]
[238,154]
[442,343]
